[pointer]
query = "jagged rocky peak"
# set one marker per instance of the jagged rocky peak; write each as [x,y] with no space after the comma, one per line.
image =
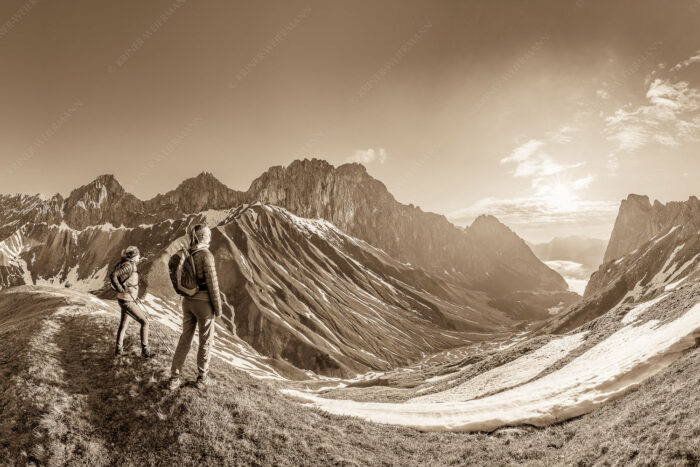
[638,220]
[488,228]
[205,181]
[488,223]
[97,191]
[195,194]
[101,201]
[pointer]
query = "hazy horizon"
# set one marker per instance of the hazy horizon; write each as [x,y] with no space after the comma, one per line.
[544,114]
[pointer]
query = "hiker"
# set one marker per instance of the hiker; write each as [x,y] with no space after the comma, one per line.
[125,280]
[199,310]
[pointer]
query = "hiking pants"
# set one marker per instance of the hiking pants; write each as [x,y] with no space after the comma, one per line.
[196,313]
[131,309]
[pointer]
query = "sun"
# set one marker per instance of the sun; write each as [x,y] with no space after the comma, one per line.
[559,195]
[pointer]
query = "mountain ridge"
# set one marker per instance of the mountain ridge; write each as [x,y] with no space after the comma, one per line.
[345,195]
[662,260]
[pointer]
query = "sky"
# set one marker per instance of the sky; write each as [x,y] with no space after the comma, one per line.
[543,113]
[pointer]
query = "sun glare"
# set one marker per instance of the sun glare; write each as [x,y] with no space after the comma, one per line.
[560,196]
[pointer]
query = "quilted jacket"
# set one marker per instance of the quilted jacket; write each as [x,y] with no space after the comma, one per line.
[207,280]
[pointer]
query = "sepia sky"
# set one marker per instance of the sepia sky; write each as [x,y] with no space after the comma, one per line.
[543,113]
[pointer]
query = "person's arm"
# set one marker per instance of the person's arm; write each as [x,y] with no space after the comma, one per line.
[212,281]
[123,270]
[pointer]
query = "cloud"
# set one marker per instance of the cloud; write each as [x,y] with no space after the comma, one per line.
[561,136]
[687,62]
[612,164]
[533,162]
[670,118]
[524,151]
[541,165]
[603,94]
[367,156]
[554,196]
[531,211]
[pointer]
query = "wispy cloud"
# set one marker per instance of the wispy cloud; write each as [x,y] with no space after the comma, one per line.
[367,156]
[563,135]
[536,210]
[670,118]
[687,62]
[603,94]
[533,162]
[524,151]
[555,192]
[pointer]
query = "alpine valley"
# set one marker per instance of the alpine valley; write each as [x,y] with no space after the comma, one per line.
[349,314]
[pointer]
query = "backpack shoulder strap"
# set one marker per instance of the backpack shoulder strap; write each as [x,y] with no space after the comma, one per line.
[192,264]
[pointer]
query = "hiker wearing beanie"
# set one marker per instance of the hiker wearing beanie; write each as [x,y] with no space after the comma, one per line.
[125,280]
[199,310]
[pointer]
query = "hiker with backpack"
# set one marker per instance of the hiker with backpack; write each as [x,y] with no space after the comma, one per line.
[193,274]
[125,280]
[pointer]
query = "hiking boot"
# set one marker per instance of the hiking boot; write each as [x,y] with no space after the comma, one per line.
[174,383]
[147,353]
[119,351]
[202,382]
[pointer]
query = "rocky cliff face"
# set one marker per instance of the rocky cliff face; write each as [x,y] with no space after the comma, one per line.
[504,258]
[660,262]
[196,194]
[17,210]
[487,255]
[101,202]
[638,220]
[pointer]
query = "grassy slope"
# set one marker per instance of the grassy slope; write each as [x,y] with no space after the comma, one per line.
[67,400]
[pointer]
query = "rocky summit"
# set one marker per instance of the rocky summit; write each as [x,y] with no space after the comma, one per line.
[638,220]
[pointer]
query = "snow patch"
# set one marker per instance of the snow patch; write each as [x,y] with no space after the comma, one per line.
[511,374]
[613,367]
[637,311]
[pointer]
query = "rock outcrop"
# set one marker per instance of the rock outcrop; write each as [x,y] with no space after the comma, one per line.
[638,220]
[196,194]
[103,201]
[487,255]
[667,256]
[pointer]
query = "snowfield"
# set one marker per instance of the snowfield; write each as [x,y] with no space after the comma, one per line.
[509,375]
[608,370]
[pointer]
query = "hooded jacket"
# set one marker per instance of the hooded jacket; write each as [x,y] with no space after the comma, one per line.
[207,280]
[125,279]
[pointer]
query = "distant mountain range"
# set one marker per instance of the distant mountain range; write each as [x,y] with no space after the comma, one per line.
[574,257]
[326,271]
[487,255]
[583,250]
